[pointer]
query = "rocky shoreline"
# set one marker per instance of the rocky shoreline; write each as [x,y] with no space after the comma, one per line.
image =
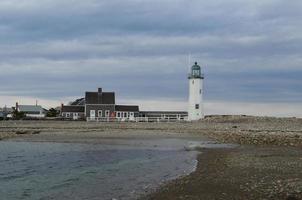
[244,173]
[258,130]
[225,129]
[266,165]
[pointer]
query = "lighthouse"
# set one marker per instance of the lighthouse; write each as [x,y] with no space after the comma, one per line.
[195,110]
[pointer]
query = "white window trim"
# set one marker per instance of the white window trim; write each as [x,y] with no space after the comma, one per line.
[125,114]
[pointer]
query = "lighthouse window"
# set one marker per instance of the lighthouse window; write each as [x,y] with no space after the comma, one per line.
[196,106]
[199,91]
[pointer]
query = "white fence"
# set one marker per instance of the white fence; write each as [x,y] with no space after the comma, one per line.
[136,119]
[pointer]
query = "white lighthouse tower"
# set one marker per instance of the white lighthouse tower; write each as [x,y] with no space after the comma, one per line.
[195,111]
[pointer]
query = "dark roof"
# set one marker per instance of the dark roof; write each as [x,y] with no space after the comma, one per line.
[73,109]
[100,97]
[108,98]
[30,108]
[126,108]
[91,98]
[195,66]
[78,102]
[165,112]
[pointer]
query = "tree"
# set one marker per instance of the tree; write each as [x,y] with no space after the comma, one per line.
[18,115]
[52,113]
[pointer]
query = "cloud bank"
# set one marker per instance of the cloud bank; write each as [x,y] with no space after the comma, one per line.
[250,51]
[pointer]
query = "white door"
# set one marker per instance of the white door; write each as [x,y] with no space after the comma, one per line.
[92,114]
[131,116]
[100,113]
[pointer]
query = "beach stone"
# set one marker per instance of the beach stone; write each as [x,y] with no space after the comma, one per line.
[21,132]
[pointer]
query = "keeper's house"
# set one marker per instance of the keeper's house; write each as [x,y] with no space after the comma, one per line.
[99,106]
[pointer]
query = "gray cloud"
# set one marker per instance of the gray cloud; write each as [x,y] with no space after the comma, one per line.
[250,51]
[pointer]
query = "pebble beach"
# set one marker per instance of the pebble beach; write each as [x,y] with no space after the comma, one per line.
[265,164]
[225,129]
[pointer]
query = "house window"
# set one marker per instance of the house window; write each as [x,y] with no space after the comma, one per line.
[131,114]
[125,114]
[67,114]
[107,113]
[196,106]
[118,114]
[100,113]
[75,116]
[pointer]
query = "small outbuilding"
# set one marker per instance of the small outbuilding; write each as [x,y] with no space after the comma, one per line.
[164,115]
[31,111]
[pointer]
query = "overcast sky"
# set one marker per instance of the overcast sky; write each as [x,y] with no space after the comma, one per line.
[250,52]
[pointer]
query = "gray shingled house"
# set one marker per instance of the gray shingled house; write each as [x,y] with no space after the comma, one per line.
[99,105]
[75,112]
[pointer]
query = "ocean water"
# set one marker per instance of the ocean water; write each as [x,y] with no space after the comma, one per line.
[119,169]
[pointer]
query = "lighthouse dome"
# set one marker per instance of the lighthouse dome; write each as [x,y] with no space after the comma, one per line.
[195,71]
[196,66]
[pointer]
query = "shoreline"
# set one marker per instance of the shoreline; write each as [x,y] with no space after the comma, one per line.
[266,165]
[241,173]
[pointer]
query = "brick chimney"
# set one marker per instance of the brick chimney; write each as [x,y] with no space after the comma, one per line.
[62,107]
